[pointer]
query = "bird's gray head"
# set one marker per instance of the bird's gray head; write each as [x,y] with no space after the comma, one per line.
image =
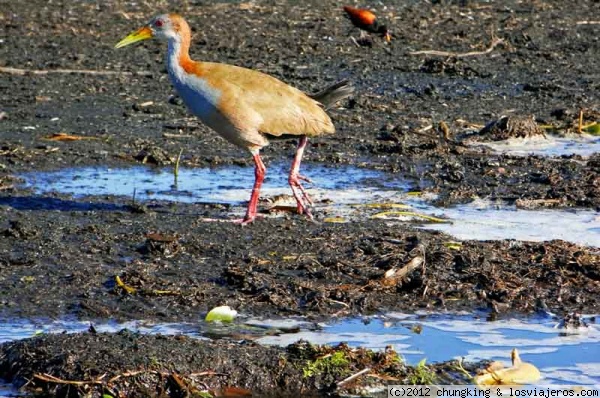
[164,26]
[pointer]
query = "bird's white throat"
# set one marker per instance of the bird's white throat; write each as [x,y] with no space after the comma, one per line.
[201,98]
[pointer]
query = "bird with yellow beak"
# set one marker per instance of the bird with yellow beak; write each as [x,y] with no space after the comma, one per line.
[244,106]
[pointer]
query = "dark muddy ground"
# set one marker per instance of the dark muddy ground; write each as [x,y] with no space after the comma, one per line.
[59,256]
[182,367]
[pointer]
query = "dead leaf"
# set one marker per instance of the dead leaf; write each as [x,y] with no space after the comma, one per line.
[412,214]
[67,137]
[519,373]
[231,392]
[334,219]
[122,285]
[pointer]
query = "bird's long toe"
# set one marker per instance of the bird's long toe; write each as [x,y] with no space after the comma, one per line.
[304,178]
[303,200]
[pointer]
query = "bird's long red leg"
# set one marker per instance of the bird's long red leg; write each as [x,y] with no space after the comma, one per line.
[251,212]
[259,177]
[302,198]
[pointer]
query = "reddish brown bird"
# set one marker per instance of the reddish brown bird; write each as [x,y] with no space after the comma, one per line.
[366,20]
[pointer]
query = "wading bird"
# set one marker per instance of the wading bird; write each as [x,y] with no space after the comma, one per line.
[366,20]
[244,106]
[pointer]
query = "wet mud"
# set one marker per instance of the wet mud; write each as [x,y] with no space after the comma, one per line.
[414,115]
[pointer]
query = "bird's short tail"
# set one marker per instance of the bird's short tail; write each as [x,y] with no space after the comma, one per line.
[334,93]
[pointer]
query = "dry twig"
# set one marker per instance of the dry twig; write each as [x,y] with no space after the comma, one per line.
[399,274]
[352,377]
[494,43]
[21,72]
[99,380]
[52,379]
[171,135]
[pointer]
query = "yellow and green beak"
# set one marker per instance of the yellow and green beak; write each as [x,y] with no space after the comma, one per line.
[142,33]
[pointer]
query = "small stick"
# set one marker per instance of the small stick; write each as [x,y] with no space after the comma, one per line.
[338,302]
[20,72]
[399,274]
[207,373]
[352,377]
[580,125]
[460,367]
[488,50]
[176,171]
[423,131]
[52,379]
[426,128]
[469,124]
[171,135]
[133,197]
[133,373]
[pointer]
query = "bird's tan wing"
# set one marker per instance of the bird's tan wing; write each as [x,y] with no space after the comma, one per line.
[283,109]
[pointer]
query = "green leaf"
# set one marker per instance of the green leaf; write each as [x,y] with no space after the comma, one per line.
[593,129]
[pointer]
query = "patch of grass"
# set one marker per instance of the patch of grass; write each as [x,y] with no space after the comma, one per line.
[394,358]
[334,363]
[422,374]
[154,362]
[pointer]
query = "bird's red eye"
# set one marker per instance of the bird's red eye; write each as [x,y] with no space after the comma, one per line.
[158,23]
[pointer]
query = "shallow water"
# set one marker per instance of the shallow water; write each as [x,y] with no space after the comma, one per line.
[583,145]
[563,356]
[7,391]
[485,220]
[336,191]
